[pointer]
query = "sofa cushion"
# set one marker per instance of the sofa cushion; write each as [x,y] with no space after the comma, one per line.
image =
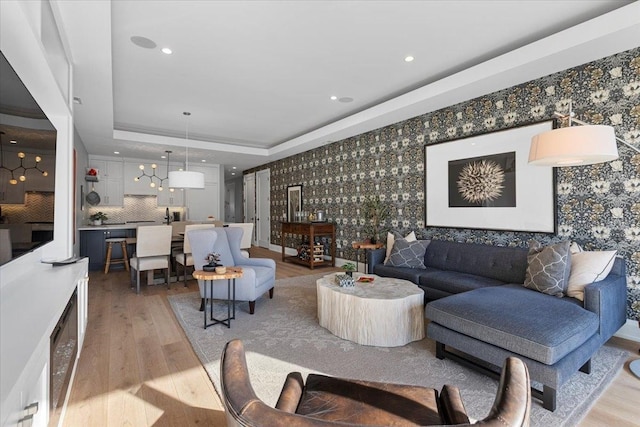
[520,320]
[391,239]
[507,264]
[410,274]
[453,282]
[408,254]
[588,267]
[548,268]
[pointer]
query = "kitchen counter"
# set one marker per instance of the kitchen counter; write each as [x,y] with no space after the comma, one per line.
[121,226]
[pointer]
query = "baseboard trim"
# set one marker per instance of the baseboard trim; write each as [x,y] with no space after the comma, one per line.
[629,331]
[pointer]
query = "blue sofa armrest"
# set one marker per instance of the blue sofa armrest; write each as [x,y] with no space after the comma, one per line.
[375,257]
[608,299]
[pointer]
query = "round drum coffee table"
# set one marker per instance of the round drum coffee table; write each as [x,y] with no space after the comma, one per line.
[387,312]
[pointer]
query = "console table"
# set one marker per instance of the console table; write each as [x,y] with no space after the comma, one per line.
[313,230]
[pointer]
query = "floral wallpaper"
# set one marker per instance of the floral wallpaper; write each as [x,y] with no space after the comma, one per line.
[598,206]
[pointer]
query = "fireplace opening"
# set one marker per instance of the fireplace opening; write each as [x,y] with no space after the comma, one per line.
[63,351]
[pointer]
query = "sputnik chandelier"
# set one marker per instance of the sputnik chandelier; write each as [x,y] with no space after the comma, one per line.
[154,176]
[21,169]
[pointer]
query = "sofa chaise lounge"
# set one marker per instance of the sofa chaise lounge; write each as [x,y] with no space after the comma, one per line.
[480,312]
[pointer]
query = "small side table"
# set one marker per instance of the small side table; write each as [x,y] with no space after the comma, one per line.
[231,275]
[364,245]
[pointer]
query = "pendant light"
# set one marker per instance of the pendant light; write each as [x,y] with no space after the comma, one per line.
[186,178]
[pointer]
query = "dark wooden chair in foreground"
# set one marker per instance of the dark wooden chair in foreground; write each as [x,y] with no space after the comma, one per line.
[328,401]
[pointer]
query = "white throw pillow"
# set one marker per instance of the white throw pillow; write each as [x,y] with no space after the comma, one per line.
[588,267]
[391,239]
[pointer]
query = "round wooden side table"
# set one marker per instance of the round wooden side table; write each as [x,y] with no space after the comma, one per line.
[364,245]
[231,275]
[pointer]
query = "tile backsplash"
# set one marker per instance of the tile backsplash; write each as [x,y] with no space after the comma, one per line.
[38,207]
[136,208]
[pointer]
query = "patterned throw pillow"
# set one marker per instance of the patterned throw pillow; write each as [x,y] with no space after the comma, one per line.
[548,268]
[391,239]
[408,254]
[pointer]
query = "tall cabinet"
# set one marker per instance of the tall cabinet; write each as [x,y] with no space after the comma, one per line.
[110,181]
[204,203]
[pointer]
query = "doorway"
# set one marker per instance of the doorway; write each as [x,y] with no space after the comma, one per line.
[263,209]
[249,200]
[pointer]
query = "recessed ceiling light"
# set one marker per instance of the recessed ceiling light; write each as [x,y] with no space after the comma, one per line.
[13,141]
[333,98]
[234,168]
[116,152]
[408,58]
[163,157]
[345,99]
[204,161]
[233,173]
[167,50]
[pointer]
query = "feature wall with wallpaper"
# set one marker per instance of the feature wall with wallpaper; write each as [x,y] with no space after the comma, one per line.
[598,206]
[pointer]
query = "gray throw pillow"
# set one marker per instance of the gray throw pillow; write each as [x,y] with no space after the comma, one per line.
[408,254]
[548,268]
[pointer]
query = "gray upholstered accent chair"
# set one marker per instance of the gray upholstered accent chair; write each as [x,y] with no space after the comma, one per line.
[328,401]
[259,274]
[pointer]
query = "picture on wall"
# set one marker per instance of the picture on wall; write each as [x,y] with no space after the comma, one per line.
[485,182]
[294,201]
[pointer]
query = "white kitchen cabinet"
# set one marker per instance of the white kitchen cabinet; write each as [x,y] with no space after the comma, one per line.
[167,198]
[110,184]
[141,187]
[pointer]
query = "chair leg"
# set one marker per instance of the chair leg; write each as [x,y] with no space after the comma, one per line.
[138,281]
[184,272]
[125,255]
[107,261]
[252,307]
[271,293]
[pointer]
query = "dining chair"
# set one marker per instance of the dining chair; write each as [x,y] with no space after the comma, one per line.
[185,259]
[247,236]
[153,250]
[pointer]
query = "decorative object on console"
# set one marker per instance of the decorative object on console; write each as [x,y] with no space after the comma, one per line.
[153,176]
[294,202]
[22,174]
[375,213]
[186,178]
[489,186]
[98,217]
[586,144]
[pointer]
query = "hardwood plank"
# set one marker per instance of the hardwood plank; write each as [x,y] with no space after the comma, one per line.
[137,366]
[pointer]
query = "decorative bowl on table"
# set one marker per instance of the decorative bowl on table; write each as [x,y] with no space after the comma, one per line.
[221,269]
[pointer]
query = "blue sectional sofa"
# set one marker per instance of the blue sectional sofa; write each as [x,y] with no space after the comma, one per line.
[480,312]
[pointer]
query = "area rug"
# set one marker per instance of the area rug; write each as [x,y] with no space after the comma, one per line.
[284,335]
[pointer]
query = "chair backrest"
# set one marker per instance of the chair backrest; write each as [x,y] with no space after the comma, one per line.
[178,227]
[153,240]
[186,248]
[5,246]
[247,236]
[222,240]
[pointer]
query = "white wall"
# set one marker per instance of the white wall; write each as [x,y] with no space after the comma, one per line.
[21,43]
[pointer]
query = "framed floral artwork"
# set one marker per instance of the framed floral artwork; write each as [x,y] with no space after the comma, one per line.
[485,182]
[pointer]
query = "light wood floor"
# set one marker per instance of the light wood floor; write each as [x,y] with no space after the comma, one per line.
[137,367]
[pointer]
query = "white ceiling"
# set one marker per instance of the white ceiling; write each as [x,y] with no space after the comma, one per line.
[257,76]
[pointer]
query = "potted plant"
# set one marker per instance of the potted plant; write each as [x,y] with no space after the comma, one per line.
[375,213]
[349,268]
[98,217]
[213,260]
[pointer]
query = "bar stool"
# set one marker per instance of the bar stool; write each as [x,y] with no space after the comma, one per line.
[125,258]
